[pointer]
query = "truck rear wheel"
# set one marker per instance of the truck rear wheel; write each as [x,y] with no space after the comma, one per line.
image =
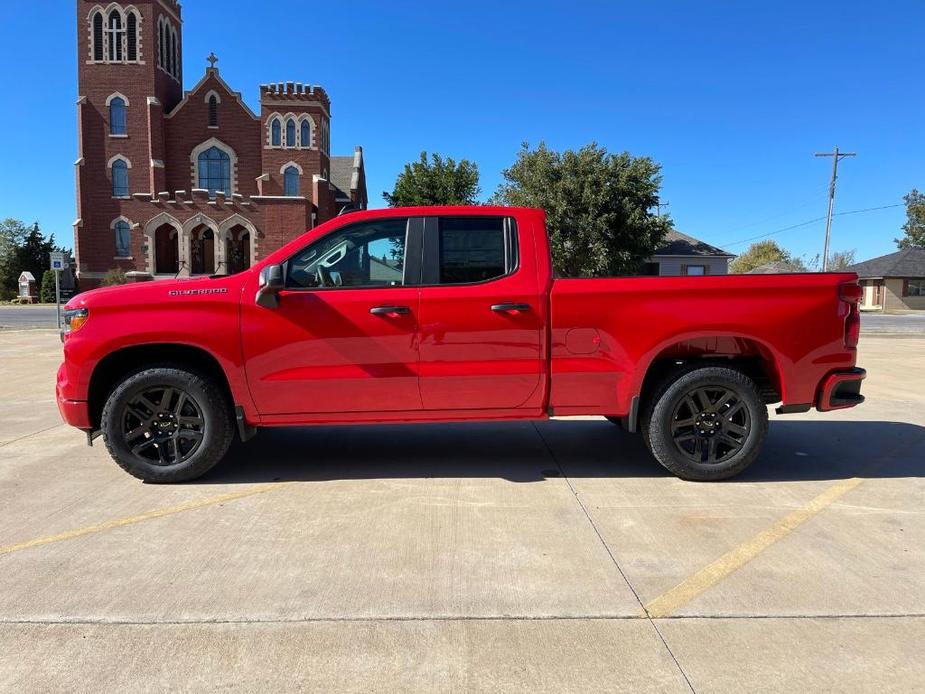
[705,423]
[167,424]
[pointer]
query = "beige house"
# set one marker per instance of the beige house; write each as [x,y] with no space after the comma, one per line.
[894,282]
[684,255]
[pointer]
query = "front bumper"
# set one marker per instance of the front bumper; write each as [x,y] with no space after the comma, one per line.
[73,412]
[840,390]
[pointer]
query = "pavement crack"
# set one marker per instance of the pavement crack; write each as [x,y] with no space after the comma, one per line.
[613,559]
[34,433]
[105,621]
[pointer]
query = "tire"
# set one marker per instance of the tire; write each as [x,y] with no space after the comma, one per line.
[705,423]
[167,424]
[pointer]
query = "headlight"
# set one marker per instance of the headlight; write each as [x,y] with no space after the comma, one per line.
[74,319]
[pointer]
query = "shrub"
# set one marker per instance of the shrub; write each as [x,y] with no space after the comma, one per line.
[113,277]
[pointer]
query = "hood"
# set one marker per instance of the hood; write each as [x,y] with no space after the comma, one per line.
[154,291]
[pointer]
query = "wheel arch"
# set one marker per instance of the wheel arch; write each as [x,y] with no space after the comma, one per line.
[753,356]
[116,365]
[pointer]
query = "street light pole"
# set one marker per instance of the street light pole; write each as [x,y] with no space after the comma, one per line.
[836,156]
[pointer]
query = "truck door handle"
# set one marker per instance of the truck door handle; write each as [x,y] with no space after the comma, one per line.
[389,310]
[502,308]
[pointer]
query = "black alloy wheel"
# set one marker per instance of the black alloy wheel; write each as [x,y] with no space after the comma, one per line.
[163,425]
[167,423]
[710,425]
[704,421]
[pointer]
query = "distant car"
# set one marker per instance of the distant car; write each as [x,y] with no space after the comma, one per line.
[448,314]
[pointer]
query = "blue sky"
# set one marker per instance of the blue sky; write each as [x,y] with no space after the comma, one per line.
[731,98]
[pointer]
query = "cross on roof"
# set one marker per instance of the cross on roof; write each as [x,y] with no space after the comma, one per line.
[212,60]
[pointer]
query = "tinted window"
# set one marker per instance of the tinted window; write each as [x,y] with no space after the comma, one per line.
[364,255]
[472,249]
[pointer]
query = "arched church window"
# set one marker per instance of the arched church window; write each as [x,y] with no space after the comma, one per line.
[131,40]
[119,179]
[115,35]
[123,239]
[290,133]
[213,111]
[306,139]
[98,36]
[215,171]
[117,125]
[275,135]
[291,181]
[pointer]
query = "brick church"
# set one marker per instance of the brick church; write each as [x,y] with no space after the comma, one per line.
[191,183]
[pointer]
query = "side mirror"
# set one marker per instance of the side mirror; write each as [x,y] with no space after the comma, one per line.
[271,282]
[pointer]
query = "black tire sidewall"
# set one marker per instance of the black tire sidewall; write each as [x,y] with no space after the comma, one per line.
[217,431]
[658,424]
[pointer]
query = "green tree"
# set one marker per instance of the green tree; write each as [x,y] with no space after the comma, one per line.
[47,291]
[762,253]
[437,182]
[914,228]
[598,206]
[23,250]
[13,234]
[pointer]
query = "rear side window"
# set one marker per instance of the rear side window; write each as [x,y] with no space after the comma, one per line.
[475,249]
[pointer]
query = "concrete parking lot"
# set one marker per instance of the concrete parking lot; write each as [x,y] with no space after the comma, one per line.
[473,557]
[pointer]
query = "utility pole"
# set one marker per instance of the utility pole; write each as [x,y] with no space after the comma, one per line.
[836,156]
[659,205]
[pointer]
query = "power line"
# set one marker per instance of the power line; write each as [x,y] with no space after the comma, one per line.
[781,214]
[807,223]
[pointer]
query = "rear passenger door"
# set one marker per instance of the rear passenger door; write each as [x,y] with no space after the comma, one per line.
[480,318]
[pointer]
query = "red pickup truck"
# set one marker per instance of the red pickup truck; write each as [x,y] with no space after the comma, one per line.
[447,314]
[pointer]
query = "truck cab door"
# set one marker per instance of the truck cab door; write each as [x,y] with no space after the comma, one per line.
[482,315]
[343,336]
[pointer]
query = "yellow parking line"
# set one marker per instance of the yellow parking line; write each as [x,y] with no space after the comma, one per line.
[667,603]
[131,520]
[684,592]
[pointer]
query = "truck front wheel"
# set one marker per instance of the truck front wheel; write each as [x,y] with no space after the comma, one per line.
[167,424]
[705,423]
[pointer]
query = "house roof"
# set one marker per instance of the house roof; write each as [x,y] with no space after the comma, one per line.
[26,275]
[345,173]
[909,262]
[677,243]
[341,173]
[775,267]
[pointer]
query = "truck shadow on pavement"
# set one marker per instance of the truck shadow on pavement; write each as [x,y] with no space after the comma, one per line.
[524,452]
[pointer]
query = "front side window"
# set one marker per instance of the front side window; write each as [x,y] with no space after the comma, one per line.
[473,249]
[306,139]
[290,133]
[119,179]
[364,255]
[915,287]
[291,181]
[117,116]
[123,239]
[215,171]
[694,270]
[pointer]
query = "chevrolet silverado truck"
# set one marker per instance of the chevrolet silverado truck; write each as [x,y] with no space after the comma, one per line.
[441,314]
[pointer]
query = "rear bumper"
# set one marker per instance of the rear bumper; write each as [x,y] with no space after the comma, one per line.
[840,390]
